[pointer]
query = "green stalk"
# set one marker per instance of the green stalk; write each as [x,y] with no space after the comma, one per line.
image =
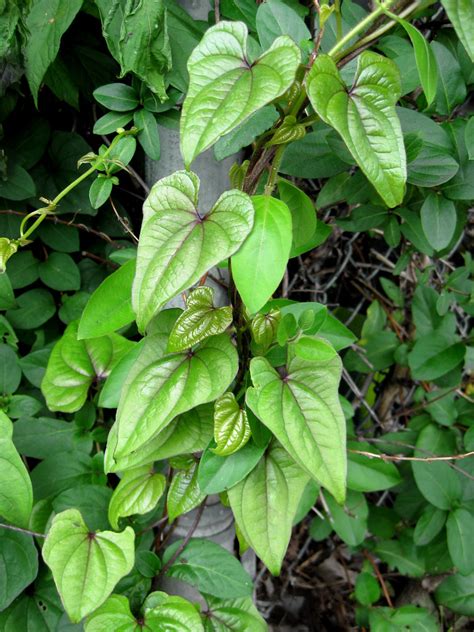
[53,203]
[362,26]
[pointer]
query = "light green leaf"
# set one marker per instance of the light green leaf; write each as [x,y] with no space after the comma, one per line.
[170,613]
[236,615]
[231,426]
[189,432]
[7,249]
[199,320]
[100,191]
[138,492]
[302,410]
[460,527]
[265,503]
[425,60]
[365,118]
[110,306]
[167,387]
[314,349]
[178,244]
[225,88]
[259,266]
[184,493]
[245,133]
[210,568]
[46,23]
[303,215]
[74,364]
[86,566]
[264,327]
[16,494]
[438,219]
[19,565]
[461,14]
[275,18]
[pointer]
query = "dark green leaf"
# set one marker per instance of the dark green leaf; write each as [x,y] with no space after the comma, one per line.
[210,568]
[275,18]
[148,136]
[117,96]
[220,473]
[46,23]
[19,565]
[35,307]
[60,272]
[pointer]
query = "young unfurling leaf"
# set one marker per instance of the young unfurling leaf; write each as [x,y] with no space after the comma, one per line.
[231,426]
[199,320]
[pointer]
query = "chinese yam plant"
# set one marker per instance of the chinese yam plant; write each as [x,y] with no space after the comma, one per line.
[300,349]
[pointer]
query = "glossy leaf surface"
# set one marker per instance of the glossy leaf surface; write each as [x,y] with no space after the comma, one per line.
[302,410]
[231,426]
[167,387]
[225,88]
[178,243]
[199,320]
[74,364]
[265,502]
[16,494]
[365,118]
[138,492]
[86,566]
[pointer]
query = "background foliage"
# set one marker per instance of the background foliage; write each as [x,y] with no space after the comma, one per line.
[381,272]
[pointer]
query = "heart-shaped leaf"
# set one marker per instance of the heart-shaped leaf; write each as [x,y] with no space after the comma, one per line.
[199,320]
[239,615]
[302,409]
[461,14]
[169,613]
[365,118]
[265,503]
[259,266]
[74,364]
[19,565]
[16,495]
[189,432]
[231,426]
[225,88]
[86,566]
[138,492]
[169,386]
[178,244]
